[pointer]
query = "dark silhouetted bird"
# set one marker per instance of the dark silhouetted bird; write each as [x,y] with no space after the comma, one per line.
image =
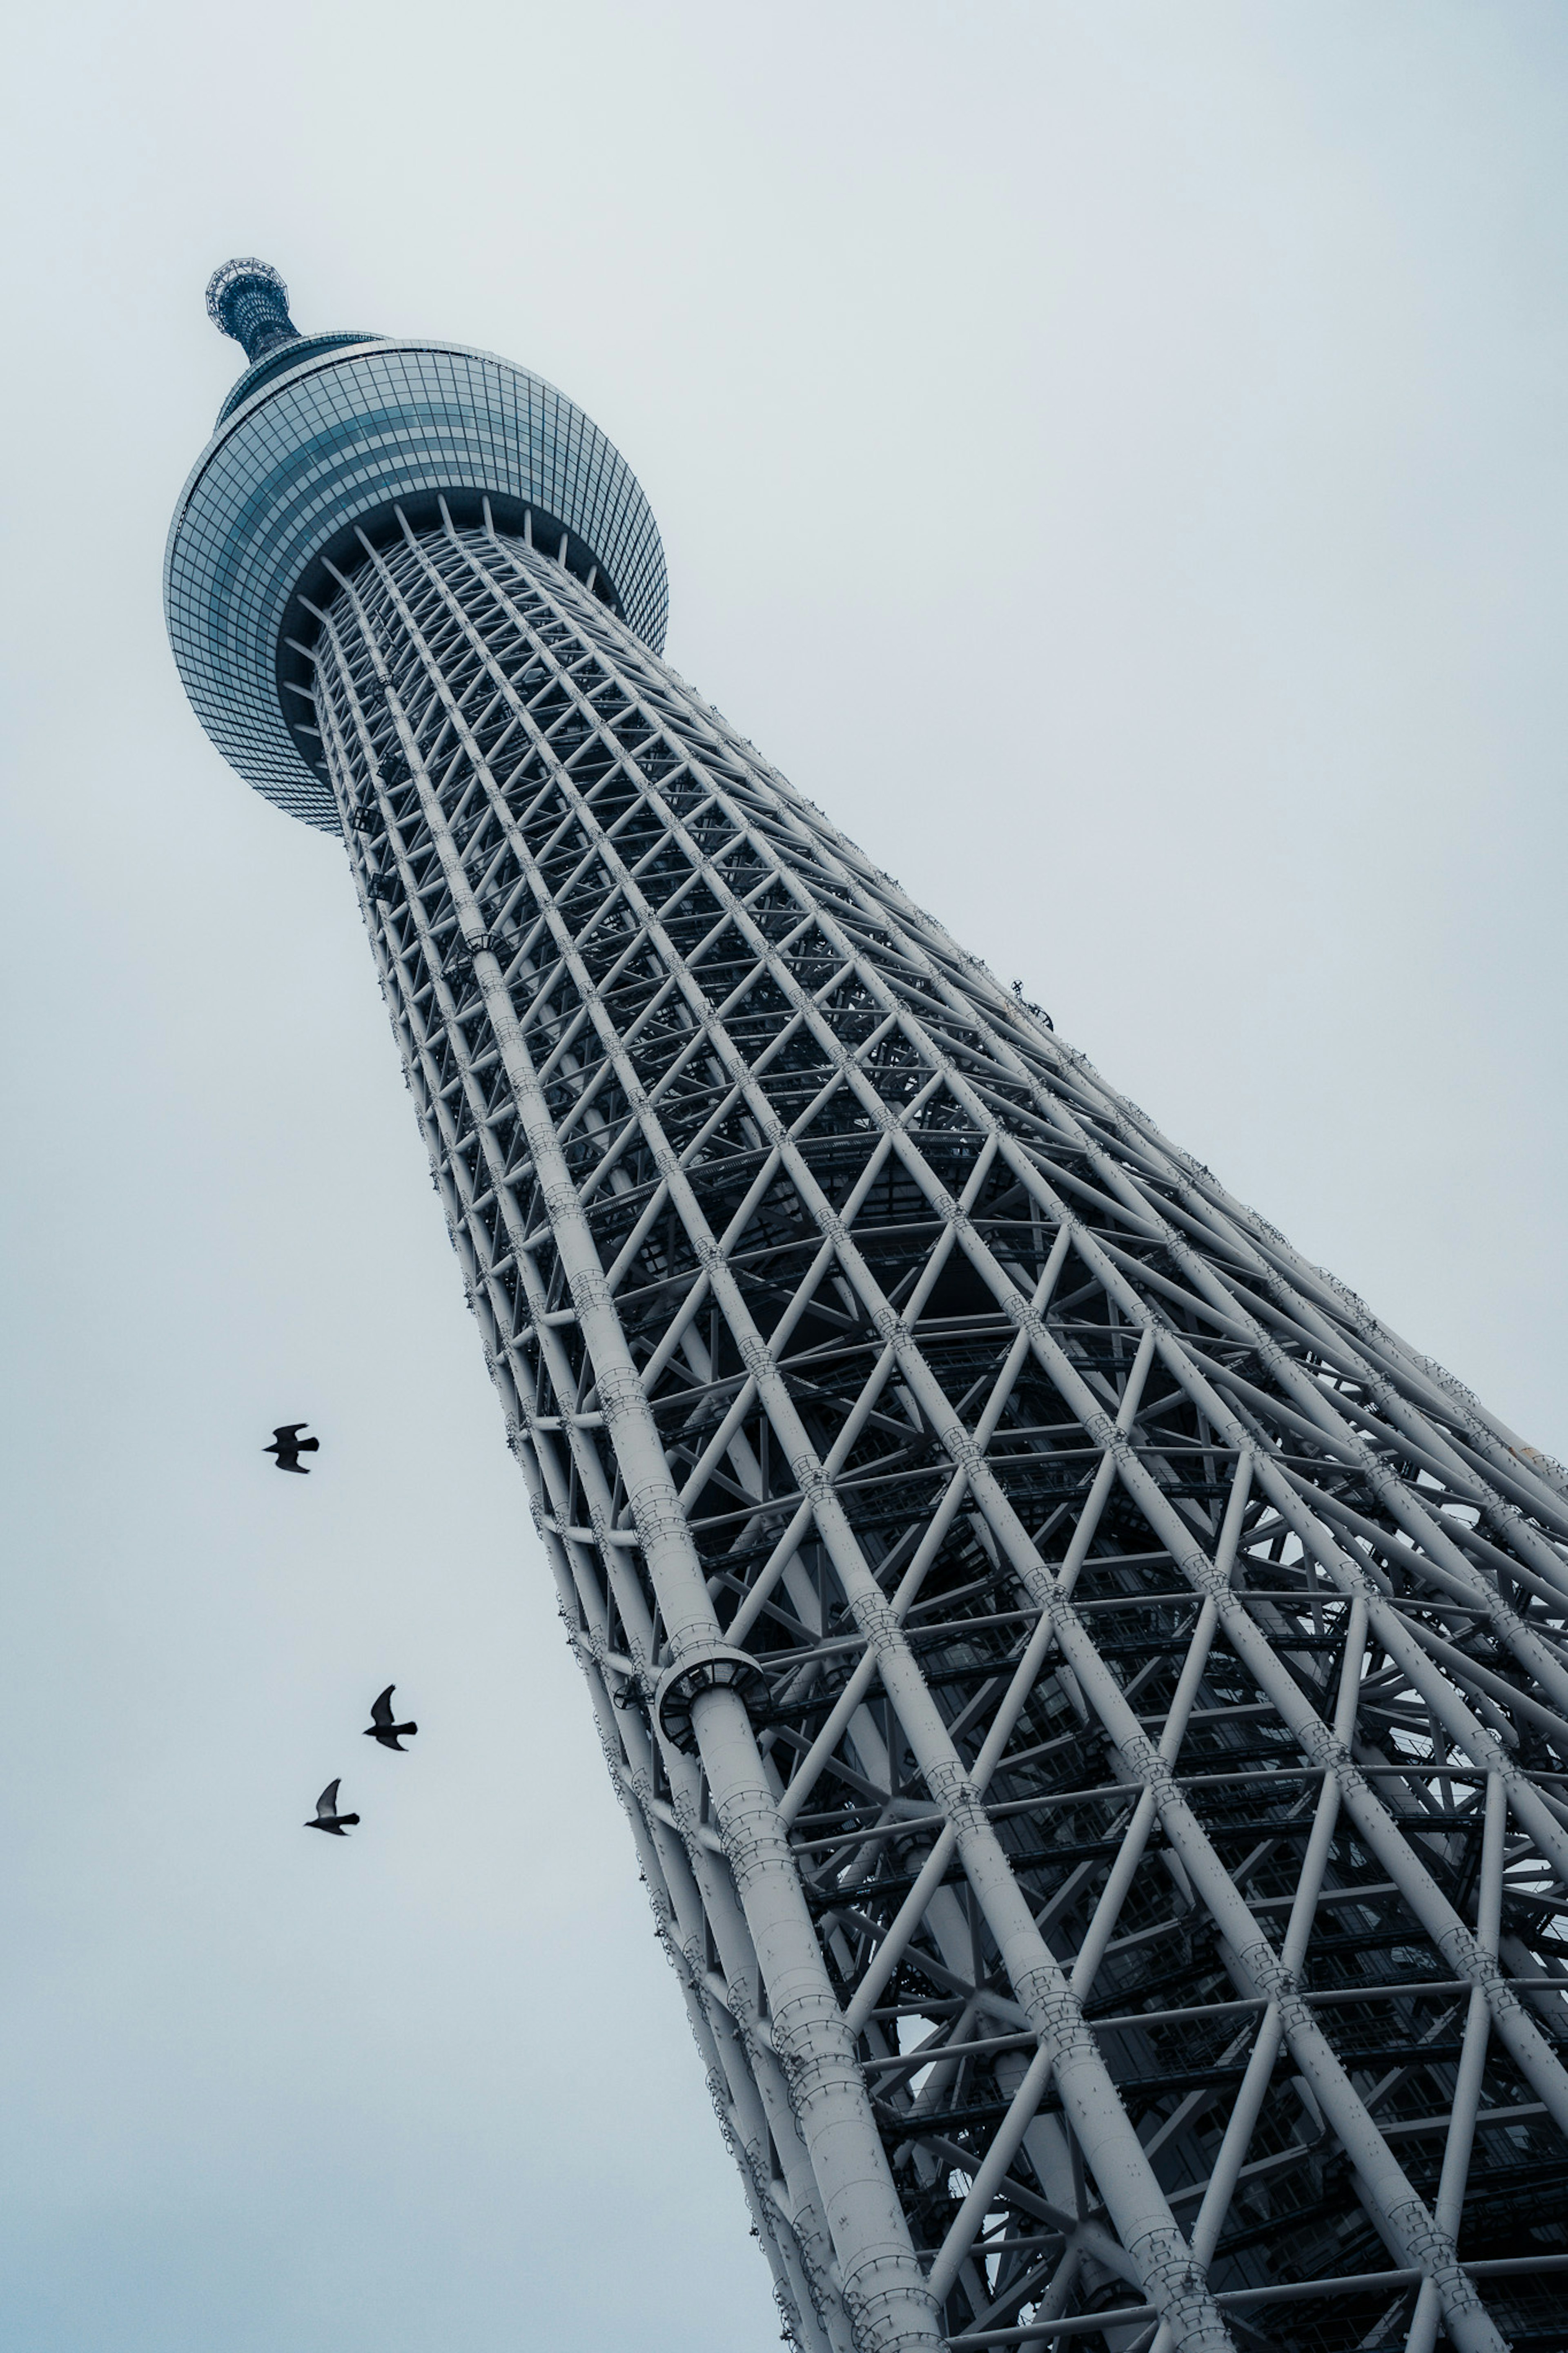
[288,1445]
[381,1726]
[327,1815]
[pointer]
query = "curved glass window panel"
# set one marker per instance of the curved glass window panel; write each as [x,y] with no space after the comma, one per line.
[340,442]
[275,363]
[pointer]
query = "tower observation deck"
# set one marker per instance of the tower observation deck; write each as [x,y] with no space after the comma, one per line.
[1089,1700]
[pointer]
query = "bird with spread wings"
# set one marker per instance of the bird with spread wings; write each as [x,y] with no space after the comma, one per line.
[288,1446]
[328,1818]
[381,1727]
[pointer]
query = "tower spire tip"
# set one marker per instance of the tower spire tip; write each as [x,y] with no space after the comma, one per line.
[246,299]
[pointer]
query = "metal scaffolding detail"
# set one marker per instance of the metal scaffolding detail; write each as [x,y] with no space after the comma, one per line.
[1081,1690]
[1091,1702]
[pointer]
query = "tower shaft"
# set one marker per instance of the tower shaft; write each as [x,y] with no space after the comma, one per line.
[1090,1701]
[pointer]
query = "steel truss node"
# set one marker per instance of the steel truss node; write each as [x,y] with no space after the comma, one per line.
[1091,1703]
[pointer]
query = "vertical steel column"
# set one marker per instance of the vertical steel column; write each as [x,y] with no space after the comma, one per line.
[880,2283]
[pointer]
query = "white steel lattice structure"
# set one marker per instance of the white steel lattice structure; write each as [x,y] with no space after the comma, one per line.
[1092,1702]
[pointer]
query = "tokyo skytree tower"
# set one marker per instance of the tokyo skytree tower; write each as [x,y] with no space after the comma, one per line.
[1089,1700]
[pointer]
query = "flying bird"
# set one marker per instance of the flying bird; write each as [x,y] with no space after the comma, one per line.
[381,1726]
[327,1815]
[288,1445]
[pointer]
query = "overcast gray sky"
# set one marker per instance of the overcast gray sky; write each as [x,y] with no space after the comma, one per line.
[1114,457]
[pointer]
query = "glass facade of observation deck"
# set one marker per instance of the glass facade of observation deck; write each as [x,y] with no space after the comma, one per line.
[338,444]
